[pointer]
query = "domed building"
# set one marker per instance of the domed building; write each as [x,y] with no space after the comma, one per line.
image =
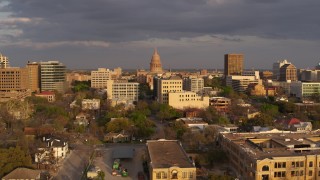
[155,64]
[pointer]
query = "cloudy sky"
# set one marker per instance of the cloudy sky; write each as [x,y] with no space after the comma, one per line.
[188,33]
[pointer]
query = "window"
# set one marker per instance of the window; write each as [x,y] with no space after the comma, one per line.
[158,175]
[280,165]
[310,173]
[280,174]
[190,175]
[164,175]
[265,168]
[184,174]
[311,164]
[174,174]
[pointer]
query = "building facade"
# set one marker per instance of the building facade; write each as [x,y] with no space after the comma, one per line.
[168,160]
[233,64]
[33,69]
[4,61]
[276,68]
[288,72]
[100,77]
[52,76]
[122,92]
[187,99]
[304,89]
[194,84]
[166,85]
[264,156]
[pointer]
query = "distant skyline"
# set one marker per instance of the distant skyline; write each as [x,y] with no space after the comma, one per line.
[191,34]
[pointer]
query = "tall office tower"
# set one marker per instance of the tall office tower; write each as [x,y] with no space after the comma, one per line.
[99,78]
[193,84]
[155,64]
[276,68]
[233,64]
[4,61]
[288,72]
[52,76]
[33,69]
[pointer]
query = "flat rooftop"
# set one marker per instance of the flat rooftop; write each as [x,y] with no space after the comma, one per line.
[167,153]
[269,145]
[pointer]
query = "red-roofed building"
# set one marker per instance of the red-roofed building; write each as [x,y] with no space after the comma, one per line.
[294,124]
[50,96]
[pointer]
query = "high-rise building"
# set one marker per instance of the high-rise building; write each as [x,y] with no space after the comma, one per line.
[52,76]
[4,61]
[33,69]
[276,68]
[164,86]
[233,64]
[288,72]
[99,78]
[122,92]
[155,64]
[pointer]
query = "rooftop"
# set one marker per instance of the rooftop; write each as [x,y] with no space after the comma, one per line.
[269,145]
[167,153]
[23,173]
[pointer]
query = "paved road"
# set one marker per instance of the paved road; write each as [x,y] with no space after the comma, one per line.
[159,134]
[73,166]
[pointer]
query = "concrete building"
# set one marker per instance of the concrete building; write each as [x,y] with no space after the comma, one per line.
[193,123]
[221,104]
[279,155]
[155,64]
[168,160]
[33,69]
[52,76]
[187,99]
[166,85]
[276,68]
[122,92]
[24,174]
[194,84]
[90,104]
[304,89]
[233,64]
[309,75]
[288,72]
[241,83]
[100,77]
[4,61]
[13,83]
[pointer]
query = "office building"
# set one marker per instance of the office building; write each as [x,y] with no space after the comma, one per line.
[273,155]
[276,68]
[33,69]
[155,64]
[304,89]
[241,83]
[168,160]
[233,64]
[194,84]
[166,85]
[187,99]
[4,61]
[52,76]
[288,72]
[122,92]
[100,77]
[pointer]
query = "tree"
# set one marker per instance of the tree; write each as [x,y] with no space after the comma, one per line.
[167,112]
[270,109]
[117,125]
[12,158]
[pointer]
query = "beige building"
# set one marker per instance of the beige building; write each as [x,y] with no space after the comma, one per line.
[33,76]
[164,86]
[122,92]
[264,156]
[168,160]
[221,104]
[288,72]
[187,99]
[241,83]
[100,77]
[4,61]
[233,64]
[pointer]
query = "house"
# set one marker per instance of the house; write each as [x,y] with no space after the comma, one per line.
[90,104]
[51,150]
[117,137]
[23,174]
[50,96]
[193,123]
[294,124]
[82,119]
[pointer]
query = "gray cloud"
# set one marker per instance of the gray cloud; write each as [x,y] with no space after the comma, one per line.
[40,24]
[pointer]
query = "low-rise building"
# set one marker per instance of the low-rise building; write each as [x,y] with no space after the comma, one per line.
[304,89]
[187,99]
[90,104]
[23,174]
[193,122]
[49,95]
[122,92]
[281,155]
[221,104]
[168,160]
[82,119]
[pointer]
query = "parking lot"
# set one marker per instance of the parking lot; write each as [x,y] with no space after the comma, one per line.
[133,165]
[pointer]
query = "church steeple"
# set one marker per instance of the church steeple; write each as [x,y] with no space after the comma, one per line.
[155,64]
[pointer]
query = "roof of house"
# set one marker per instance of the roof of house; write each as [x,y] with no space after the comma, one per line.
[167,153]
[23,173]
[46,93]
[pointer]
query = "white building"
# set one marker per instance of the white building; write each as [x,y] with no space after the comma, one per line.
[194,123]
[4,61]
[241,83]
[90,104]
[194,84]
[53,149]
[304,89]
[122,92]
[186,99]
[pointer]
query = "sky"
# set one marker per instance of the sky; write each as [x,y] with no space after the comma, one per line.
[87,34]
